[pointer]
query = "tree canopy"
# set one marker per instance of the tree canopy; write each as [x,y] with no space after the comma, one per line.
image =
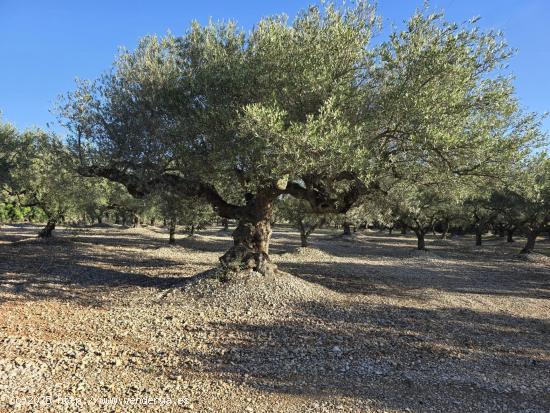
[306,107]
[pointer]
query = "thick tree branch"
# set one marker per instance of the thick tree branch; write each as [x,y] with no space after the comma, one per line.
[176,184]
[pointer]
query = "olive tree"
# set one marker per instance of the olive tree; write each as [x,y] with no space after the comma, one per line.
[305,108]
[533,195]
[39,174]
[299,214]
[193,213]
[507,207]
[421,207]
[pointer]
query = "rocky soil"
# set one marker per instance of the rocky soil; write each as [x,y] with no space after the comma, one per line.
[113,319]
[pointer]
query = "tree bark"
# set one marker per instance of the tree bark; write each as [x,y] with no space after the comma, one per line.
[46,232]
[172,232]
[251,238]
[403,230]
[421,243]
[510,235]
[390,230]
[478,236]
[347,229]
[531,240]
[152,221]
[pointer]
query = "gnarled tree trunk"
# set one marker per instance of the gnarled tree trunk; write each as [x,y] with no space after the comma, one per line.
[46,232]
[251,238]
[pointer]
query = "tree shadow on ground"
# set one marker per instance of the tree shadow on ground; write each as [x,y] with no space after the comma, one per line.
[394,357]
[61,269]
[415,279]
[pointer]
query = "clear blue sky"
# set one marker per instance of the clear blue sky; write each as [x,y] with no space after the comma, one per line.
[45,45]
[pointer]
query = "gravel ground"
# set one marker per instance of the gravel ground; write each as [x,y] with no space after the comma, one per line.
[112,319]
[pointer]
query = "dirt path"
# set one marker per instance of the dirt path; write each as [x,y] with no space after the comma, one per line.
[97,320]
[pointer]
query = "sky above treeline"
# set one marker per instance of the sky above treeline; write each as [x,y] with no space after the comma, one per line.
[45,45]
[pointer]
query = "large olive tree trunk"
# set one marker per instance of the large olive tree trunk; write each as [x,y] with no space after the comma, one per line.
[46,232]
[531,240]
[251,239]
[250,248]
[510,235]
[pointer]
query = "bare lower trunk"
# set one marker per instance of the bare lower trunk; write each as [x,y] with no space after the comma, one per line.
[172,232]
[347,228]
[404,230]
[390,230]
[225,224]
[421,243]
[251,238]
[46,232]
[303,239]
[530,244]
[510,235]
[478,237]
[445,231]
[152,221]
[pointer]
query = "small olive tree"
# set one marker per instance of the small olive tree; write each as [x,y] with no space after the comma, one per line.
[299,214]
